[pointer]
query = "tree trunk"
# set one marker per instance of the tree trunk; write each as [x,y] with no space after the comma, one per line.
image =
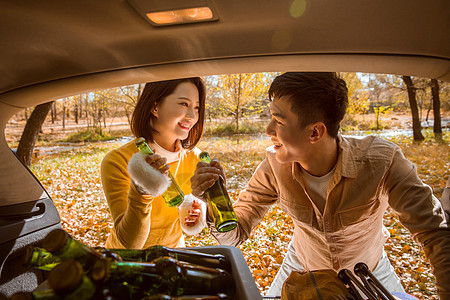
[64,116]
[31,131]
[75,113]
[53,112]
[437,127]
[417,133]
[238,104]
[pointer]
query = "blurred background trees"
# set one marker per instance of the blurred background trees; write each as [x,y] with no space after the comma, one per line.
[236,100]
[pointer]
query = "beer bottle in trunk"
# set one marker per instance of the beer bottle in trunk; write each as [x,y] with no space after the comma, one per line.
[59,243]
[39,258]
[173,196]
[163,275]
[68,280]
[35,295]
[219,202]
[190,256]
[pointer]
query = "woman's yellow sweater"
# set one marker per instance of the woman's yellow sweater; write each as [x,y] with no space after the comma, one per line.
[141,221]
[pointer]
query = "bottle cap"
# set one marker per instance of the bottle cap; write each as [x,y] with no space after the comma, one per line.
[66,276]
[139,141]
[55,240]
[204,156]
[100,269]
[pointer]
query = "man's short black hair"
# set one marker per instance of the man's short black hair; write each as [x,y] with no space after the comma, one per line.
[314,97]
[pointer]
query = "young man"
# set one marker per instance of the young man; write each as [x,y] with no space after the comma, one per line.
[335,189]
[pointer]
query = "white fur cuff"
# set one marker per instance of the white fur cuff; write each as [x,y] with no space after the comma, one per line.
[150,180]
[190,205]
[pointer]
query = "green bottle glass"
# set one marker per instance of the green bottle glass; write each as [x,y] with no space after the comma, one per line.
[163,275]
[40,258]
[153,252]
[190,279]
[59,243]
[36,295]
[188,297]
[219,202]
[69,281]
[173,196]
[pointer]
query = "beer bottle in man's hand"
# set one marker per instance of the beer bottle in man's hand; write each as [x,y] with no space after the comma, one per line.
[219,202]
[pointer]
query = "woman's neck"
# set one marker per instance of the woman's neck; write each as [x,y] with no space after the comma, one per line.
[172,146]
[171,156]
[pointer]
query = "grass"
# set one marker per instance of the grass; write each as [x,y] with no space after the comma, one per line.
[88,135]
[227,127]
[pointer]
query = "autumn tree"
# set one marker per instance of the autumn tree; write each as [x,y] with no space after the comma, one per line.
[238,95]
[129,97]
[437,128]
[358,100]
[31,132]
[411,89]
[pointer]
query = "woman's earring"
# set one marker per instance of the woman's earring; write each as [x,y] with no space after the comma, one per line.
[155,111]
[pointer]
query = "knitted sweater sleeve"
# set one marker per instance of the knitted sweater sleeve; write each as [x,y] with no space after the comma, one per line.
[130,210]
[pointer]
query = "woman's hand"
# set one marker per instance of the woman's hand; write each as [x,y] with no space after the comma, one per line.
[204,177]
[158,162]
[193,214]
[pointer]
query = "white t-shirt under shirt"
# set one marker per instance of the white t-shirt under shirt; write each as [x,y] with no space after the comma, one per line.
[317,187]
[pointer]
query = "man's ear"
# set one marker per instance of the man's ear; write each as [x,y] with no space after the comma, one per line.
[318,131]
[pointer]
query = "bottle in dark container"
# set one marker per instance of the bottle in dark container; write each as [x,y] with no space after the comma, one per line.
[59,243]
[40,258]
[125,280]
[69,281]
[173,196]
[163,275]
[153,252]
[187,297]
[219,202]
[36,295]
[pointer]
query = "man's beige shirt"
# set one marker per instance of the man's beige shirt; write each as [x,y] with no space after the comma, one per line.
[371,174]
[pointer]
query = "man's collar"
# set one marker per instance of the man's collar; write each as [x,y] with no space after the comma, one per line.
[346,161]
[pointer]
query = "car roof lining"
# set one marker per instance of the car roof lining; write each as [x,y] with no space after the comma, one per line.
[51,41]
[388,64]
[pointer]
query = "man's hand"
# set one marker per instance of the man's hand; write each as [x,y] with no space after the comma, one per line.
[204,177]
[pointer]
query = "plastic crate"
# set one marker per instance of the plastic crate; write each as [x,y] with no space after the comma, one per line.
[246,288]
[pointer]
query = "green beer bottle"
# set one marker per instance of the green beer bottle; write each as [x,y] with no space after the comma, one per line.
[219,202]
[59,243]
[36,295]
[163,275]
[188,297]
[173,196]
[190,279]
[153,252]
[40,258]
[69,281]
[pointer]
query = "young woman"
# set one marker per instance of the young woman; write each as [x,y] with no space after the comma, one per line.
[170,116]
